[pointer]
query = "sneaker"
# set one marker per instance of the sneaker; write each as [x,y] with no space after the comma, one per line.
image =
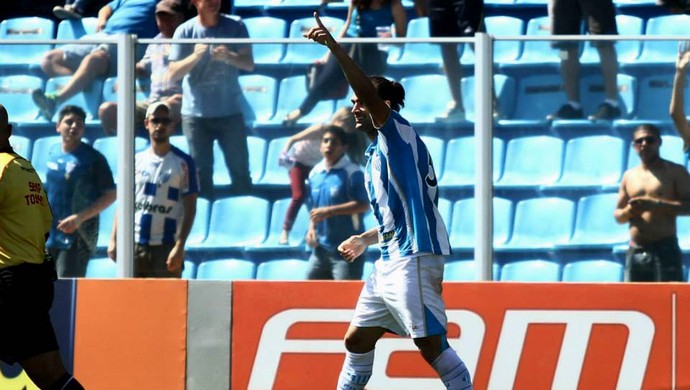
[605,112]
[46,103]
[566,111]
[67,12]
[454,114]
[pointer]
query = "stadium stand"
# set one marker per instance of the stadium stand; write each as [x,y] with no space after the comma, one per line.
[282,269]
[593,271]
[531,271]
[226,269]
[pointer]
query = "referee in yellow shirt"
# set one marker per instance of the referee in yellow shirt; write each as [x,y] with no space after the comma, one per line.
[26,275]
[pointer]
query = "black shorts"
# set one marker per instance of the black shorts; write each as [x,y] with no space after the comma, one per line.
[456,18]
[568,15]
[25,327]
[661,261]
[150,261]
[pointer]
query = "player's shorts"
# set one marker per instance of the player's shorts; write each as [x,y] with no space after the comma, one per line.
[404,297]
[455,18]
[25,328]
[568,15]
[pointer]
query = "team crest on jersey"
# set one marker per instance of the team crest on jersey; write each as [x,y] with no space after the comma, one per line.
[164,177]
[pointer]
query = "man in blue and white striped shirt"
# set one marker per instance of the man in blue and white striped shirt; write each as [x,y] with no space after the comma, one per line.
[403,294]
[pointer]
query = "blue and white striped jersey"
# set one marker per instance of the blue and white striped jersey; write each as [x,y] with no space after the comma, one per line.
[160,184]
[403,192]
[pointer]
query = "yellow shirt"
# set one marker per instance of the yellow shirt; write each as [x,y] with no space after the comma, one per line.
[25,215]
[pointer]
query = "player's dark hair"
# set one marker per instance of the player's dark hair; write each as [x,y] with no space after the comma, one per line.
[71,109]
[389,90]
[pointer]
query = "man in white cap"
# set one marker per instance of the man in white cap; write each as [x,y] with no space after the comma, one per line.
[165,193]
[154,64]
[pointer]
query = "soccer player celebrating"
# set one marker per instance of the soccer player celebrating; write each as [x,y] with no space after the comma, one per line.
[403,294]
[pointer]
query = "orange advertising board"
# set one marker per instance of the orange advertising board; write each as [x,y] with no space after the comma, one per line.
[511,336]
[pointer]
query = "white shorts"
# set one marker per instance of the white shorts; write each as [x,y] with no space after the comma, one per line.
[404,296]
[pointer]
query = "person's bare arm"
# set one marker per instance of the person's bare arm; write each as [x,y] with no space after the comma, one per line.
[314,131]
[354,246]
[399,18]
[623,212]
[680,206]
[103,15]
[677,107]
[352,207]
[112,245]
[176,255]
[242,59]
[178,69]
[359,81]
[71,223]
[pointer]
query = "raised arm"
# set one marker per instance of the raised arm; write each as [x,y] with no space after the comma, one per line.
[359,81]
[677,108]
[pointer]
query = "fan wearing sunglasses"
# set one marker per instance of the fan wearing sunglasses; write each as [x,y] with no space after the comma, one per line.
[650,198]
[166,187]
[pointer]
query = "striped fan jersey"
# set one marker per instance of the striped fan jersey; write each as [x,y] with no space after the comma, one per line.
[403,192]
[160,185]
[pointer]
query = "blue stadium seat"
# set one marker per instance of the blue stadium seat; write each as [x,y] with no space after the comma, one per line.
[541,224]
[415,54]
[39,154]
[465,271]
[261,94]
[109,147]
[257,150]
[671,149]
[297,234]
[536,52]
[536,96]
[437,150]
[105,225]
[418,107]
[24,28]
[581,170]
[683,230]
[266,27]
[445,208]
[531,271]
[595,227]
[459,165]
[180,142]
[189,271]
[200,228]
[88,99]
[662,52]
[532,161]
[15,95]
[593,271]
[236,222]
[21,145]
[76,28]
[142,89]
[101,268]
[274,174]
[462,227]
[226,269]
[282,269]
[504,88]
[653,92]
[504,51]
[291,92]
[307,53]
[626,51]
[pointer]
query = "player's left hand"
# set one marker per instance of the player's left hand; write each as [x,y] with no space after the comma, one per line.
[320,33]
[352,248]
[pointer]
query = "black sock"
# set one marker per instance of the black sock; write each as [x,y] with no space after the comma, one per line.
[67,382]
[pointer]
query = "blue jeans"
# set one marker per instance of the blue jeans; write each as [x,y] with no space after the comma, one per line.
[328,265]
[231,134]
